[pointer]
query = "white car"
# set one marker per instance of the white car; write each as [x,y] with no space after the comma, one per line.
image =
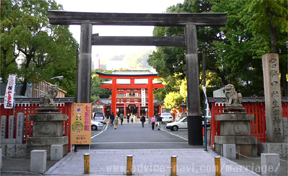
[166,117]
[99,117]
[174,126]
[182,124]
[95,125]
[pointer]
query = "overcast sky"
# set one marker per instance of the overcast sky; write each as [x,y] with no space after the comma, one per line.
[124,6]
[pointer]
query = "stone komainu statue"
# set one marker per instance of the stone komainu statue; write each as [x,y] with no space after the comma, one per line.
[47,99]
[233,98]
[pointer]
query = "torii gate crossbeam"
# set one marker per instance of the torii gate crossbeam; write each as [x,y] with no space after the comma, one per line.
[187,20]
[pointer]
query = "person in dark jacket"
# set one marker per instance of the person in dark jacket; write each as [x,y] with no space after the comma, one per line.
[142,119]
[121,117]
[112,117]
[128,116]
[159,121]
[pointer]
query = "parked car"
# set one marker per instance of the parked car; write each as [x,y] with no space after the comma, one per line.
[174,126]
[166,117]
[95,125]
[99,117]
[182,124]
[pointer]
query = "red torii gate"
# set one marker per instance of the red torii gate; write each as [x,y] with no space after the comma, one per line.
[114,86]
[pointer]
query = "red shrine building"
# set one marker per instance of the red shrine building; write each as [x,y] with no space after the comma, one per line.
[132,92]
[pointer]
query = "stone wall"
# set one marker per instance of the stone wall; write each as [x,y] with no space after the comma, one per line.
[14,150]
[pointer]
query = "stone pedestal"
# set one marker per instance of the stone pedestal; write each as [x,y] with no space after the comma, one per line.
[38,161]
[235,129]
[270,164]
[47,130]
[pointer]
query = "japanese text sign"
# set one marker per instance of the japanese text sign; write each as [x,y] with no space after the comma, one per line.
[9,94]
[81,123]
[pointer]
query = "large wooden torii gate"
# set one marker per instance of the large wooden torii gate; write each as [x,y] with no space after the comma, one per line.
[187,20]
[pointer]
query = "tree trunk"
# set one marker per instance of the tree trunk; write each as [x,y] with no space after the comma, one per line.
[273,32]
[273,39]
[23,89]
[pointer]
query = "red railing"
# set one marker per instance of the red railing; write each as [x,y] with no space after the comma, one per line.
[257,126]
[30,109]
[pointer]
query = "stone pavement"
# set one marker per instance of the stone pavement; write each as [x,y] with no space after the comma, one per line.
[193,161]
[156,162]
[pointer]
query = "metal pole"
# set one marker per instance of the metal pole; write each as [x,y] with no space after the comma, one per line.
[77,69]
[194,118]
[204,83]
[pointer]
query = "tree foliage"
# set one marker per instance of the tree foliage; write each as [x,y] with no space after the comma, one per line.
[254,28]
[96,90]
[171,60]
[267,21]
[41,50]
[172,100]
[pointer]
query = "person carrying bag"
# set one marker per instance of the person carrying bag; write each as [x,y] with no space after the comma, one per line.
[153,122]
[159,121]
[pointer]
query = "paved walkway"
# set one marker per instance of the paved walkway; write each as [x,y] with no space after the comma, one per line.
[156,162]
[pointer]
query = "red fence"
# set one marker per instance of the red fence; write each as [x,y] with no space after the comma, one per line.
[29,106]
[252,106]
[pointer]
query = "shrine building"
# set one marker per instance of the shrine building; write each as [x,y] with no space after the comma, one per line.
[132,91]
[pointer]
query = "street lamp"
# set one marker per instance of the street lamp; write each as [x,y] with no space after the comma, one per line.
[57,77]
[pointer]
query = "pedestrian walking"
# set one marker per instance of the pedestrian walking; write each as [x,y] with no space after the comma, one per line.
[112,117]
[107,115]
[153,122]
[142,119]
[159,121]
[128,116]
[132,118]
[121,118]
[116,121]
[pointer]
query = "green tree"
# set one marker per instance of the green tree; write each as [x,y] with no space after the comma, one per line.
[267,21]
[252,27]
[44,50]
[8,54]
[171,60]
[172,100]
[183,90]
[96,90]
[234,51]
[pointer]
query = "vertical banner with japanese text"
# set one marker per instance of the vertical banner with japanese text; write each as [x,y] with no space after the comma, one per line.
[207,110]
[9,94]
[81,123]
[143,98]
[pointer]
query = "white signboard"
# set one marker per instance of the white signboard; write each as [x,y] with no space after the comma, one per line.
[9,94]
[207,110]
[143,98]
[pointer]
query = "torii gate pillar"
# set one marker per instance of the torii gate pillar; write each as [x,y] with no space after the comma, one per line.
[84,73]
[194,118]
